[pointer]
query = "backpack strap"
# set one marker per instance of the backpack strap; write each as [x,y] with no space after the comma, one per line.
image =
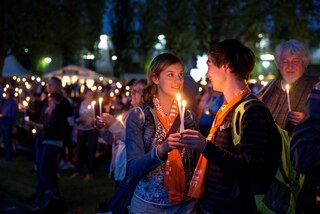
[236,127]
[237,117]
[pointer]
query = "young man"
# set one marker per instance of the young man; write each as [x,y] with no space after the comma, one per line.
[228,176]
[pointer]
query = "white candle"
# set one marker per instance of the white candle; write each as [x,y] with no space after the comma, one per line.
[183,109]
[288,96]
[100,106]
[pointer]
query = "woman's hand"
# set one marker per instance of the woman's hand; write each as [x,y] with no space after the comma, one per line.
[108,119]
[172,142]
[192,139]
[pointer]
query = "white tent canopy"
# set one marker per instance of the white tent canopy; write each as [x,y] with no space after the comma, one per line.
[11,67]
[73,70]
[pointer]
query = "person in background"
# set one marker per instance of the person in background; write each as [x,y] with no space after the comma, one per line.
[292,59]
[87,138]
[50,198]
[67,150]
[227,176]
[8,116]
[305,153]
[116,126]
[46,194]
[165,168]
[208,106]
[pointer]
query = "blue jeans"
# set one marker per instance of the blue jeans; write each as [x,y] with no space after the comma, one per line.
[138,206]
[47,172]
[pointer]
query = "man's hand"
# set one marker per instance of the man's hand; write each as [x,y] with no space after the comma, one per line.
[192,139]
[295,117]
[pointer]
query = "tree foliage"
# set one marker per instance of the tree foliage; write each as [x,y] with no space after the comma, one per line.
[50,28]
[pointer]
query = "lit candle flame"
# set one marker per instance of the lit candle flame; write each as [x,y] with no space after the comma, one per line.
[288,96]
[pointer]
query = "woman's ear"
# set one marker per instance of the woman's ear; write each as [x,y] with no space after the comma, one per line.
[155,80]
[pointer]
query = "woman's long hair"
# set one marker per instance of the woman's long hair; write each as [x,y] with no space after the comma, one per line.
[158,64]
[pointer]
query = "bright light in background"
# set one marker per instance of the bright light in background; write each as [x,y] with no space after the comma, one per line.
[74,79]
[103,44]
[47,60]
[261,77]
[265,64]
[161,44]
[161,37]
[90,83]
[252,81]
[267,57]
[89,56]
[201,70]
[264,42]
[114,57]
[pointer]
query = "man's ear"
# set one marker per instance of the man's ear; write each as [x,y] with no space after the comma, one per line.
[155,80]
[226,68]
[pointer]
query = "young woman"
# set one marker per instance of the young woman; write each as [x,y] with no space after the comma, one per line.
[164,167]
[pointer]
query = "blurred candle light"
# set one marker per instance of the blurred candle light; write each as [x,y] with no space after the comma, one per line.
[100,106]
[25,104]
[288,96]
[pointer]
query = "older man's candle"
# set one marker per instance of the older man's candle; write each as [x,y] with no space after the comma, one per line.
[288,96]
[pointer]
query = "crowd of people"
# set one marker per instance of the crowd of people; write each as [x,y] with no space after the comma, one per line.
[184,157]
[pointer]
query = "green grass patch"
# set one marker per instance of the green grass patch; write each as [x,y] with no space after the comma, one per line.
[16,179]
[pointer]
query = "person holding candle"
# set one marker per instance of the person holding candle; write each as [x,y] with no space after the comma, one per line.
[47,148]
[8,116]
[116,126]
[164,166]
[50,198]
[292,59]
[227,176]
[87,137]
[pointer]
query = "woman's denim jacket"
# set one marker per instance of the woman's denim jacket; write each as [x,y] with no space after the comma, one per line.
[140,132]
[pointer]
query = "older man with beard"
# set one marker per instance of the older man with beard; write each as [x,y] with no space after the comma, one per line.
[292,59]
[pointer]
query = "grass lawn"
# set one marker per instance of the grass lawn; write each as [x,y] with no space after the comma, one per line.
[82,196]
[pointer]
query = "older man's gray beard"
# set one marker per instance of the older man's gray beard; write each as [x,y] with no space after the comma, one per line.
[290,80]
